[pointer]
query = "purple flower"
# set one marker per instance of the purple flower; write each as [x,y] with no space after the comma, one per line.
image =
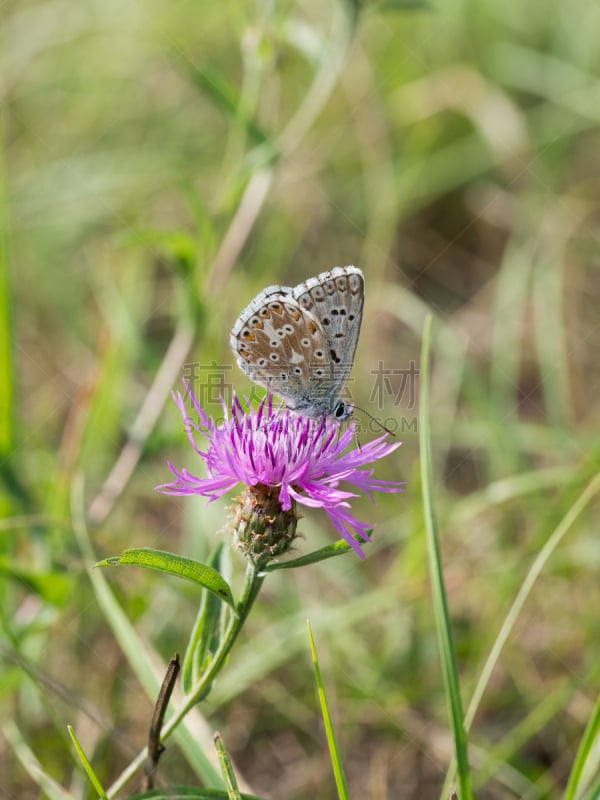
[293,458]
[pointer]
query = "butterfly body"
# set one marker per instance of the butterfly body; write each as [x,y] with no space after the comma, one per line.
[299,342]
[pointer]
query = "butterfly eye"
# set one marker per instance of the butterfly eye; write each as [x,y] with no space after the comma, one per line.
[297,371]
[319,353]
[274,357]
[288,329]
[305,342]
[326,321]
[340,410]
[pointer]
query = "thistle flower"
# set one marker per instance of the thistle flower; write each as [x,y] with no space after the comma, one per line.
[284,460]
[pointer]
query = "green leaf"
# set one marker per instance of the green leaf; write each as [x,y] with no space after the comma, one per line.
[86,765]
[187,793]
[205,637]
[334,754]
[440,603]
[173,564]
[7,382]
[338,549]
[585,755]
[233,792]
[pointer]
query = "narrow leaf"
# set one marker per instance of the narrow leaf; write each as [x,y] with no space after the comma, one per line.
[7,381]
[204,638]
[233,792]
[187,793]
[440,603]
[337,549]
[585,753]
[173,564]
[86,765]
[340,780]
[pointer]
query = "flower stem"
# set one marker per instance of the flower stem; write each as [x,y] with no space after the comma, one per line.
[252,585]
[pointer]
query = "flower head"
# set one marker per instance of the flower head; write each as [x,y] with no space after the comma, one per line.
[284,459]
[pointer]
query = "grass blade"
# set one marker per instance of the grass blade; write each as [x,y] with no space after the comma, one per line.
[86,765]
[233,793]
[440,605]
[338,772]
[7,416]
[584,755]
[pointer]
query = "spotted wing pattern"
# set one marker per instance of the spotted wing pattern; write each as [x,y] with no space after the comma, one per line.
[336,299]
[299,343]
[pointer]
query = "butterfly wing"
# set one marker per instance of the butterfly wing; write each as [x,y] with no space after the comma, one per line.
[282,347]
[335,299]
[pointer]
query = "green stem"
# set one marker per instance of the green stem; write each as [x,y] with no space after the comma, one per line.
[252,585]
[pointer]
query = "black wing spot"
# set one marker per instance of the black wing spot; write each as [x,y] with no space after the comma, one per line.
[334,356]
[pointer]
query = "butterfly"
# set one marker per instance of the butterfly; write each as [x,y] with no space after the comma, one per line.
[299,342]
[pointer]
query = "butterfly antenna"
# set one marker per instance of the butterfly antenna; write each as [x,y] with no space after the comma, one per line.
[375,420]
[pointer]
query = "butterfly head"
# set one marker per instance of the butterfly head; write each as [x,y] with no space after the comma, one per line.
[341,411]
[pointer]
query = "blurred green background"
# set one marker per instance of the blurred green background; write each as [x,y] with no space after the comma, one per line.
[161,163]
